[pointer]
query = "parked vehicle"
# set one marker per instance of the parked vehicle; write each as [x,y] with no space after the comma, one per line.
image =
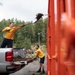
[11,60]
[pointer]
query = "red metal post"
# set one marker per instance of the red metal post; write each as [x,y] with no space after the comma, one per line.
[63,69]
[62,5]
[70,32]
[51,64]
[52,49]
[48,41]
[60,10]
[51,69]
[58,34]
[72,8]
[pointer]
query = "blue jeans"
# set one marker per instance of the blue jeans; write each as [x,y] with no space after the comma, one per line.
[7,42]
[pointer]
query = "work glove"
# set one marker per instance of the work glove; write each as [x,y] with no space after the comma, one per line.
[23,25]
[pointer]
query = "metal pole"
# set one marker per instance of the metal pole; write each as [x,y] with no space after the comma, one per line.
[72,8]
[58,34]
[52,25]
[48,41]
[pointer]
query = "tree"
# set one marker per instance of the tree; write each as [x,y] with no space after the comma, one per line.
[40,28]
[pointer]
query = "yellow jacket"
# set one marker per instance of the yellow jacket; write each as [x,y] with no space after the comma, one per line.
[39,53]
[9,34]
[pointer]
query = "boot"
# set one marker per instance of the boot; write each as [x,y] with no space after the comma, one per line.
[43,71]
[39,70]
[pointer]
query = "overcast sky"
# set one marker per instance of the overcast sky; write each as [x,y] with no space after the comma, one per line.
[22,9]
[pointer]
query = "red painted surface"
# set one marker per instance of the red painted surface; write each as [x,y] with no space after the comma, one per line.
[61,38]
[48,41]
[52,26]
[51,68]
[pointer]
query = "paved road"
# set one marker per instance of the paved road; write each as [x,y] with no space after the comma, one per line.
[29,69]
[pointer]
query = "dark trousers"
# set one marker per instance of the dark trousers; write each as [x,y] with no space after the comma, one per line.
[42,60]
[7,42]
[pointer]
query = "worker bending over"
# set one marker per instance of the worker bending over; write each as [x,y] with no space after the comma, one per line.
[40,55]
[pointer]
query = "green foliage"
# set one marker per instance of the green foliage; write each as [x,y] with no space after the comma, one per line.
[23,43]
[27,43]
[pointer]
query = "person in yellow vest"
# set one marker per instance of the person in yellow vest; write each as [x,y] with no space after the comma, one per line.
[9,35]
[39,53]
